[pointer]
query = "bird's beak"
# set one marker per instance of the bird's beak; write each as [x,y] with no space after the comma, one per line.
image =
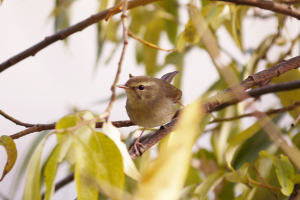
[123,86]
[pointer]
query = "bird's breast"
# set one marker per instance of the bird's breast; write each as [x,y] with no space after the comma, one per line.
[151,114]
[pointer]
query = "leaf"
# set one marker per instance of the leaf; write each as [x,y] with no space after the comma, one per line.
[33,178]
[150,54]
[166,176]
[288,97]
[110,174]
[222,14]
[284,172]
[239,139]
[171,26]
[247,152]
[181,42]
[56,157]
[296,179]
[85,171]
[11,151]
[26,159]
[191,33]
[239,176]
[114,134]
[208,184]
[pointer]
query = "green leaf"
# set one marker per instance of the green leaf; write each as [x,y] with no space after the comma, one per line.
[33,178]
[284,172]
[110,174]
[181,43]
[85,171]
[56,157]
[150,54]
[239,176]
[247,152]
[11,151]
[288,97]
[171,26]
[208,184]
[239,139]
[166,176]
[114,134]
[191,33]
[248,194]
[222,14]
[296,179]
[25,161]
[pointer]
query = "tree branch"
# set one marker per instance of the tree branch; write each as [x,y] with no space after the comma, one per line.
[255,93]
[43,127]
[61,35]
[212,103]
[254,114]
[269,5]
[251,81]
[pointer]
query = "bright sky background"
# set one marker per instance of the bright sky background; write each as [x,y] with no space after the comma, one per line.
[46,87]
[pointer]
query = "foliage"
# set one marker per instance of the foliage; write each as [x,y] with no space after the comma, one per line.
[257,161]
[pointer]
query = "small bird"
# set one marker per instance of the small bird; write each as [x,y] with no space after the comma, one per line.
[151,101]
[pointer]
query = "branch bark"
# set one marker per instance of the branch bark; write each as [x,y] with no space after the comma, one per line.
[61,35]
[212,103]
[255,93]
[269,5]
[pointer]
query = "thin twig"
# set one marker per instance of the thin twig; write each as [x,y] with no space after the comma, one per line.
[63,34]
[255,113]
[150,44]
[263,185]
[266,182]
[295,122]
[10,118]
[125,43]
[43,127]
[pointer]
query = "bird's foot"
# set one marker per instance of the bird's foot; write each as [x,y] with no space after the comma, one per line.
[135,146]
[114,10]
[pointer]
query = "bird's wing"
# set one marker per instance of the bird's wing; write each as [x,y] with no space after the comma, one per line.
[169,76]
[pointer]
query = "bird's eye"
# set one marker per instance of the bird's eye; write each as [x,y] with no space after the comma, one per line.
[141,87]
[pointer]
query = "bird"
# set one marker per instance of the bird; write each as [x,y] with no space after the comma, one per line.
[151,102]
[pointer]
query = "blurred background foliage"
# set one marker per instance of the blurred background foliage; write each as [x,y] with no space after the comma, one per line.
[257,168]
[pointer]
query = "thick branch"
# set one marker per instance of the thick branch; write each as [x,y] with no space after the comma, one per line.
[269,5]
[43,127]
[255,93]
[213,102]
[61,35]
[254,114]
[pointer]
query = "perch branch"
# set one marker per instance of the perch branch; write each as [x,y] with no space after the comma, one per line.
[212,103]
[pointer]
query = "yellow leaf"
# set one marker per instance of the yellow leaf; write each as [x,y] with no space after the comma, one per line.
[56,157]
[114,134]
[33,177]
[110,173]
[180,42]
[85,171]
[165,178]
[11,150]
